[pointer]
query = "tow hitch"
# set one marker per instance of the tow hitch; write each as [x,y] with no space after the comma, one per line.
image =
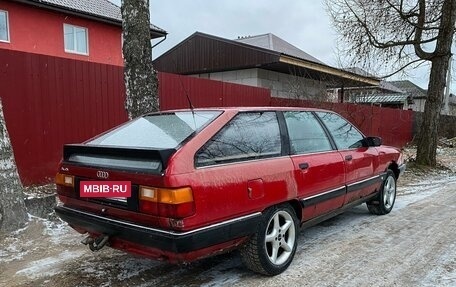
[97,243]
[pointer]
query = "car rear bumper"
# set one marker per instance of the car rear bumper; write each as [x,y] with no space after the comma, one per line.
[169,241]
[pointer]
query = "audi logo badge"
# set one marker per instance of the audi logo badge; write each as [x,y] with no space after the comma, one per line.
[102,174]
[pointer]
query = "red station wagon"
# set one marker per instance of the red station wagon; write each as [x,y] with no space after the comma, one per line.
[206,181]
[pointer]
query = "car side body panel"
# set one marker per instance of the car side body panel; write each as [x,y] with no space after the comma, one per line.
[319,178]
[360,164]
[236,189]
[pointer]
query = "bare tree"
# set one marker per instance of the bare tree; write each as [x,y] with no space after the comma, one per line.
[140,77]
[13,214]
[300,85]
[396,35]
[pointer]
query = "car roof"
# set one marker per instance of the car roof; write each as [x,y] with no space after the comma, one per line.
[244,109]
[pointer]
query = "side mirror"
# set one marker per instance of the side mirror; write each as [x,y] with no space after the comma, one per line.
[372,141]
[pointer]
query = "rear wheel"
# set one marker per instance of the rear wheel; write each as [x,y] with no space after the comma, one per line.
[271,249]
[383,204]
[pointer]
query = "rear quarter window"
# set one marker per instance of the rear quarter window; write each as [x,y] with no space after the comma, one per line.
[248,136]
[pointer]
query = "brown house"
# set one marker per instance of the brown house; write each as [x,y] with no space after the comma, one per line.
[261,61]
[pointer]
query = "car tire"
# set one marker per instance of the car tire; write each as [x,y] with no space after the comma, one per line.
[384,202]
[272,247]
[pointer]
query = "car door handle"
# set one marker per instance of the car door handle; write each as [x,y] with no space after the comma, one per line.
[348,157]
[304,165]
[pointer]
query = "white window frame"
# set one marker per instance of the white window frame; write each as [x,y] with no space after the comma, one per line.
[8,40]
[75,40]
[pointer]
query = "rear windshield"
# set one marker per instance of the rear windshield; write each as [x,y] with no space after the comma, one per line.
[160,131]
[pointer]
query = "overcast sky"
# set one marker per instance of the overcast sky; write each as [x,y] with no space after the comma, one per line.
[303,23]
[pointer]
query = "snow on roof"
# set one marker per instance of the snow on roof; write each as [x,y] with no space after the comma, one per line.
[272,42]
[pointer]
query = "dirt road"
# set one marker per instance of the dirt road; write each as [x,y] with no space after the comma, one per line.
[415,245]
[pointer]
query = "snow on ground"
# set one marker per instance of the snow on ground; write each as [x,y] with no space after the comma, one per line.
[418,190]
[12,249]
[444,271]
[48,252]
[35,191]
[47,266]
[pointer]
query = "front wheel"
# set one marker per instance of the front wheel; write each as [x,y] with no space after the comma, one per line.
[383,204]
[271,249]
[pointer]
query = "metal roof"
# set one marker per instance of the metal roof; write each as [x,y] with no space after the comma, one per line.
[390,87]
[272,42]
[98,9]
[410,88]
[384,85]
[384,98]
[359,71]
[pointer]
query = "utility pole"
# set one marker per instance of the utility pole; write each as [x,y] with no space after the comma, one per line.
[446,107]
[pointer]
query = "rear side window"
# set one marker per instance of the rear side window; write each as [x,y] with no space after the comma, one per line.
[306,133]
[156,131]
[250,135]
[344,133]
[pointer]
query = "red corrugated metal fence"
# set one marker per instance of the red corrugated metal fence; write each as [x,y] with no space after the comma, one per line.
[49,101]
[174,89]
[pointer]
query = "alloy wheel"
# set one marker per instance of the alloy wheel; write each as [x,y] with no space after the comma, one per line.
[280,237]
[389,192]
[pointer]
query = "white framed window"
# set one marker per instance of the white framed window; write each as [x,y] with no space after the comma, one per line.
[76,39]
[4,27]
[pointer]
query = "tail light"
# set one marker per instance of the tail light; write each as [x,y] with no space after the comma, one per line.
[172,203]
[65,184]
[64,179]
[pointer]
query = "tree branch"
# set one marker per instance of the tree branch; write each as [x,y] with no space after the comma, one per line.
[411,14]
[419,33]
[384,45]
[420,61]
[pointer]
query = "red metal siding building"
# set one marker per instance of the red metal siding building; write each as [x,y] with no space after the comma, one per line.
[38,27]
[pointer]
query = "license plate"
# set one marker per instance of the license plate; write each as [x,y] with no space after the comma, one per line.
[111,189]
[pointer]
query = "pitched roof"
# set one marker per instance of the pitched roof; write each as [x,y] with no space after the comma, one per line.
[359,71]
[411,88]
[97,9]
[384,85]
[390,87]
[272,42]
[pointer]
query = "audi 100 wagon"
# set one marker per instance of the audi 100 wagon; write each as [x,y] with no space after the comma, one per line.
[187,184]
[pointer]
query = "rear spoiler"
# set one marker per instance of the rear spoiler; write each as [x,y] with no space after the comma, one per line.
[120,153]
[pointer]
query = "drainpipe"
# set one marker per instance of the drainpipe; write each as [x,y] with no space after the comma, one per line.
[152,54]
[153,46]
